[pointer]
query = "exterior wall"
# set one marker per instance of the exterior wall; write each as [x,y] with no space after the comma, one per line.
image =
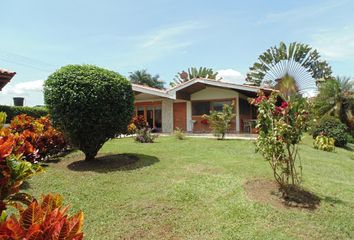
[210,93]
[167,115]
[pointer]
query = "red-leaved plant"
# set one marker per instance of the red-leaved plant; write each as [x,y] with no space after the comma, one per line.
[41,134]
[43,220]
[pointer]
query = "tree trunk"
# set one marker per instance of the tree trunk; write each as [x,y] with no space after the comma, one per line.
[90,155]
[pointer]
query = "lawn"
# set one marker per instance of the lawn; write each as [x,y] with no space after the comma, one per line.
[194,189]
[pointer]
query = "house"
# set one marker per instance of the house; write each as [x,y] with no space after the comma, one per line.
[183,105]
[5,77]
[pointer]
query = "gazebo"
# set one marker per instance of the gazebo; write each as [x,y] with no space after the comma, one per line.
[5,77]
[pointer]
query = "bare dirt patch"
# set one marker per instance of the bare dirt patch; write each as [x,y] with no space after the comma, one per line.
[267,192]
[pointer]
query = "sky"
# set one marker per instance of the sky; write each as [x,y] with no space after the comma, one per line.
[37,37]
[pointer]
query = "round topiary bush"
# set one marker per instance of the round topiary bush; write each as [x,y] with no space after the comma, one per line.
[89,104]
[332,127]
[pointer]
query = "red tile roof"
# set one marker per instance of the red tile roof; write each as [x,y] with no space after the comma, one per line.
[7,72]
[5,77]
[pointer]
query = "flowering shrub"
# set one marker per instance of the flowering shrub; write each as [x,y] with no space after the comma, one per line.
[324,143]
[220,121]
[43,220]
[280,130]
[40,133]
[145,136]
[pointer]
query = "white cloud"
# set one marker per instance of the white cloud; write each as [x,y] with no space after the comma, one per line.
[335,44]
[24,88]
[231,75]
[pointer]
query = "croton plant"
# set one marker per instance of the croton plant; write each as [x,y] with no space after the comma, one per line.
[20,148]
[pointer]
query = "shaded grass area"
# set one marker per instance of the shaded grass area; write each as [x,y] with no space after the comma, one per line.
[194,189]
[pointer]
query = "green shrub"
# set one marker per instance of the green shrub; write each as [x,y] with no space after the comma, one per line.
[179,134]
[144,135]
[324,143]
[89,104]
[331,127]
[220,121]
[12,111]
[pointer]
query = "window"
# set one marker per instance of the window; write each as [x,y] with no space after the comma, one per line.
[204,107]
[245,107]
[140,111]
[217,106]
[152,114]
[200,108]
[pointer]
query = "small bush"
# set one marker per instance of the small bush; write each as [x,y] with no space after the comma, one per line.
[41,134]
[220,121]
[144,136]
[331,127]
[324,143]
[89,104]
[12,111]
[139,122]
[179,134]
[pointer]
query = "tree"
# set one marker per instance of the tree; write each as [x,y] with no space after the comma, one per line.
[89,104]
[301,53]
[280,130]
[220,121]
[142,77]
[193,72]
[336,98]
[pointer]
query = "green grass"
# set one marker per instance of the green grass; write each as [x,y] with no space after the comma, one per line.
[193,189]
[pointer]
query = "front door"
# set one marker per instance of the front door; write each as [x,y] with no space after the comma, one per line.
[180,115]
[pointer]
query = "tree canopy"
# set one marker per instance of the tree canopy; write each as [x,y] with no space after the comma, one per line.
[202,72]
[336,98]
[142,77]
[89,104]
[299,52]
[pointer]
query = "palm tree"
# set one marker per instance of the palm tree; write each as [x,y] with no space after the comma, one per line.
[193,72]
[142,77]
[297,52]
[336,97]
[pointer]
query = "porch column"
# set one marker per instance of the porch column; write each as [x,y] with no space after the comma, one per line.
[238,114]
[189,117]
[167,115]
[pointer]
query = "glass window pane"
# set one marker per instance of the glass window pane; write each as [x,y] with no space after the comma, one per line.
[200,108]
[158,118]
[140,111]
[245,107]
[217,106]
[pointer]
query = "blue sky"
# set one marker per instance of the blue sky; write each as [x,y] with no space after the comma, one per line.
[165,37]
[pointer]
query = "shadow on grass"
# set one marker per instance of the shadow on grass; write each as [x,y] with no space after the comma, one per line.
[333,200]
[112,163]
[56,158]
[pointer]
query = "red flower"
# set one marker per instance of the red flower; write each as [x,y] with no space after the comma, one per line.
[204,121]
[284,105]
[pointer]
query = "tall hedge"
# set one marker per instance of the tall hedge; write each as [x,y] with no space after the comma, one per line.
[12,111]
[89,104]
